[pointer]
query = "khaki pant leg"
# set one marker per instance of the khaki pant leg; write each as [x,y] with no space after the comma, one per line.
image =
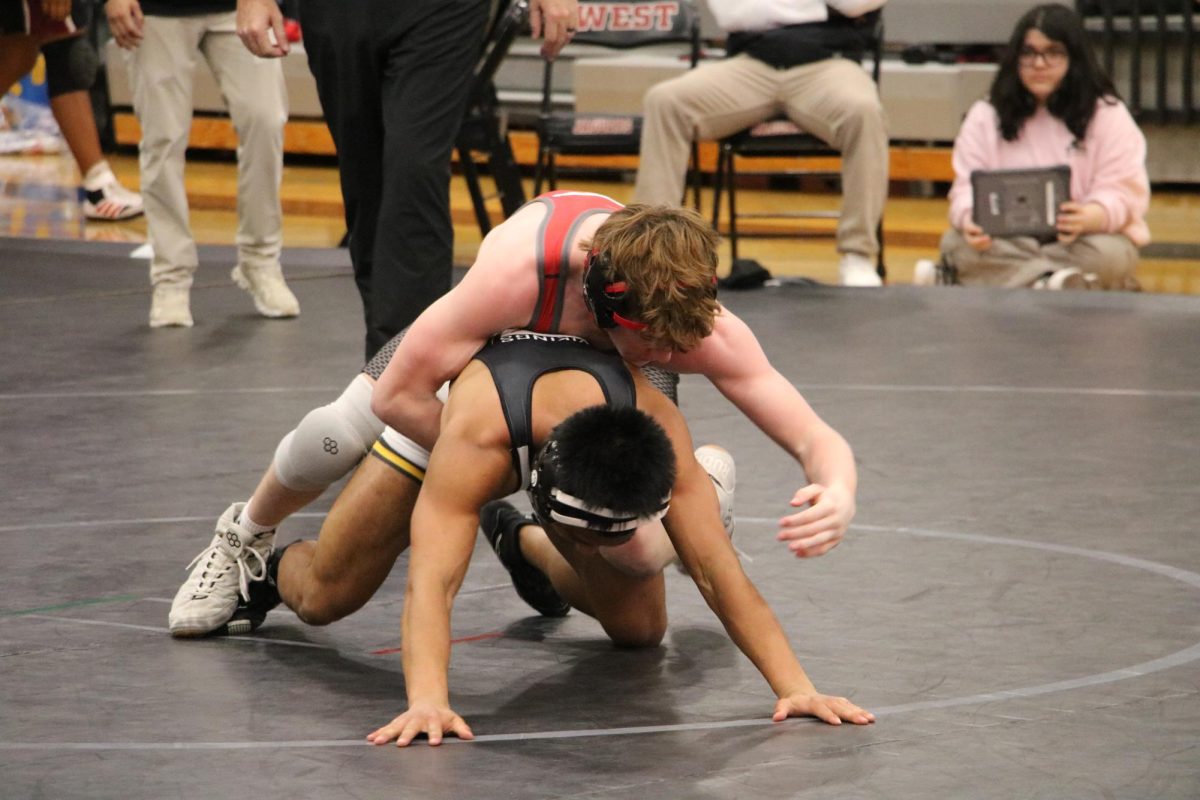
[708,102]
[1112,257]
[837,101]
[254,91]
[1013,262]
[160,72]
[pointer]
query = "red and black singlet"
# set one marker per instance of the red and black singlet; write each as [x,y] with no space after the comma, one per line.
[565,212]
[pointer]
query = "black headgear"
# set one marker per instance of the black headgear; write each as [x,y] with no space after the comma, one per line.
[609,301]
[551,504]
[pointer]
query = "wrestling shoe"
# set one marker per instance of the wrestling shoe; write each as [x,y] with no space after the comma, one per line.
[221,577]
[500,523]
[272,297]
[261,597]
[105,199]
[718,463]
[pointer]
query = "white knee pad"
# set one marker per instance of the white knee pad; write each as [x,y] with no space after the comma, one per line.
[329,441]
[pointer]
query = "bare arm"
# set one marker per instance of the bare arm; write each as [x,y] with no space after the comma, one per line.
[498,292]
[462,476]
[705,550]
[734,361]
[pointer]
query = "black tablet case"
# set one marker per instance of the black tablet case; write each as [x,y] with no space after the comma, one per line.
[1020,202]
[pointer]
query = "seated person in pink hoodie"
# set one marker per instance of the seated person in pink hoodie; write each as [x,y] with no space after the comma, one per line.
[1050,104]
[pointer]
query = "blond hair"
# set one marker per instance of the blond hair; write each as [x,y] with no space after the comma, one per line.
[668,258]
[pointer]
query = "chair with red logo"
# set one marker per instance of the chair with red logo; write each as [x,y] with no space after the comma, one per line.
[614,26]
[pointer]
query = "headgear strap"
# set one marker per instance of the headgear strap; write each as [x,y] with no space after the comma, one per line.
[551,504]
[609,301]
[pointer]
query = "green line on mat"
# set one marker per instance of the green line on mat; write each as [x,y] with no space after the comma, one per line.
[123,598]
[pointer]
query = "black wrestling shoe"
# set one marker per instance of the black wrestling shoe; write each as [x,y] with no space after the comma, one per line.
[263,596]
[499,522]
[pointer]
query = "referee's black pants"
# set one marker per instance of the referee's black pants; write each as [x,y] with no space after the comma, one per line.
[393,78]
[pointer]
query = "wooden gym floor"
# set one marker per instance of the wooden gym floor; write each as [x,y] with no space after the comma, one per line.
[39,200]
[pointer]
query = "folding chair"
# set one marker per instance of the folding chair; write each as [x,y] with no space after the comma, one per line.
[617,26]
[780,137]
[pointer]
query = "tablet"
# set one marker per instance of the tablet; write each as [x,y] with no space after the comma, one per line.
[1020,202]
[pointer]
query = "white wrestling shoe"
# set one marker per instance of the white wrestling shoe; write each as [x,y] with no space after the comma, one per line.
[105,199]
[220,575]
[718,463]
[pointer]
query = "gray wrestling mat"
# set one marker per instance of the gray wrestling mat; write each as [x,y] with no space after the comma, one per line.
[1018,600]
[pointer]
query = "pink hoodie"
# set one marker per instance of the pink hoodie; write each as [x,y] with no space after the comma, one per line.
[1108,168]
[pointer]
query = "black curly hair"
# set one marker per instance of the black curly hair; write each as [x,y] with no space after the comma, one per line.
[617,458]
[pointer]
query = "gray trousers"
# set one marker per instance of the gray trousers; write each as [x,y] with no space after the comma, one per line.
[834,99]
[160,72]
[1018,261]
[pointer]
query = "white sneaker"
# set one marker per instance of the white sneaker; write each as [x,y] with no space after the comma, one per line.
[924,273]
[105,198]
[857,270]
[718,463]
[271,294]
[1066,278]
[170,306]
[220,574]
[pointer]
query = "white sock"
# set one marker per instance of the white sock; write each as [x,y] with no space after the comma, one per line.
[249,524]
[99,170]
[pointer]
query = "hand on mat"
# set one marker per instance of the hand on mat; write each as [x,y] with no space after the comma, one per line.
[556,21]
[422,718]
[1076,219]
[817,529]
[260,27]
[822,706]
[125,21]
[975,237]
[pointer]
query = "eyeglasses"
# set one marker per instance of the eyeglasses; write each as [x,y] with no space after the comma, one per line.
[1051,56]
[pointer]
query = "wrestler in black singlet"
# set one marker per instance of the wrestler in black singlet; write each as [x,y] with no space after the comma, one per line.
[516,360]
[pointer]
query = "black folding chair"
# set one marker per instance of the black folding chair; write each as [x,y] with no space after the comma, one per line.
[482,130]
[617,26]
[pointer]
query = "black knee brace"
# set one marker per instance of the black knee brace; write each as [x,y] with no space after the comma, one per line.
[71,65]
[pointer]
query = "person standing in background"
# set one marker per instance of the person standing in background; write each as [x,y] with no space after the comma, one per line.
[56,28]
[163,40]
[393,79]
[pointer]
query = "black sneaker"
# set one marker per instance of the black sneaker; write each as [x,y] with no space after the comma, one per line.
[499,522]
